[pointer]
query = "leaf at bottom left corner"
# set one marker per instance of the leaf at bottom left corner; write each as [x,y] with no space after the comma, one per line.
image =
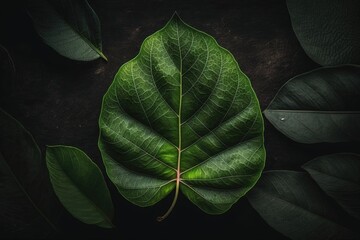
[80,185]
[25,199]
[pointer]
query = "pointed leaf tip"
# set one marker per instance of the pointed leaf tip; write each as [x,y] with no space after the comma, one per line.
[80,185]
[176,18]
[150,134]
[81,38]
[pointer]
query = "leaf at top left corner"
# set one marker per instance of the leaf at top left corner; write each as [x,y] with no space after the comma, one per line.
[24,196]
[71,28]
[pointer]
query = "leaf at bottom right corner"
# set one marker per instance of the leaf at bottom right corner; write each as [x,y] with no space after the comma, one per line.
[293,204]
[338,175]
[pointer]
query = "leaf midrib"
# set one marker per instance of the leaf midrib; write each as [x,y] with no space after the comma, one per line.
[302,208]
[311,111]
[221,152]
[82,193]
[142,149]
[309,169]
[85,39]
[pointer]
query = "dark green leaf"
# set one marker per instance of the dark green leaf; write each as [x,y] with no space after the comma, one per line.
[319,106]
[80,185]
[71,28]
[7,71]
[339,176]
[182,115]
[294,205]
[328,30]
[22,192]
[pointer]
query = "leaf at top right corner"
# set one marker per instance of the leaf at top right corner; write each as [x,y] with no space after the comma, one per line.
[328,30]
[322,105]
[339,176]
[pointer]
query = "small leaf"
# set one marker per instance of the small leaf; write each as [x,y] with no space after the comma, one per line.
[71,28]
[294,205]
[22,190]
[328,30]
[339,176]
[80,185]
[182,115]
[319,106]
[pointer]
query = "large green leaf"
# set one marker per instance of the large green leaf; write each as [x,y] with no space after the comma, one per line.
[22,192]
[80,185]
[71,28]
[294,205]
[182,115]
[339,176]
[319,106]
[328,30]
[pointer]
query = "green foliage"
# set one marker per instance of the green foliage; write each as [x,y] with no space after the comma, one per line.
[182,115]
[319,106]
[80,185]
[7,72]
[23,194]
[338,176]
[71,28]
[294,205]
[328,30]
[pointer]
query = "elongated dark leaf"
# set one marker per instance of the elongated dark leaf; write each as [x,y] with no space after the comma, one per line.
[293,204]
[319,106]
[71,28]
[328,30]
[7,72]
[80,185]
[339,176]
[181,115]
[21,189]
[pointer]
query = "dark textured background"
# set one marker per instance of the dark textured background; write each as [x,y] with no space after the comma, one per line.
[58,100]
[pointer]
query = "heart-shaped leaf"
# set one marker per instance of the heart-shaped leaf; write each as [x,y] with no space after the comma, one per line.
[294,205]
[328,30]
[80,185]
[319,106]
[71,28]
[22,191]
[182,115]
[339,176]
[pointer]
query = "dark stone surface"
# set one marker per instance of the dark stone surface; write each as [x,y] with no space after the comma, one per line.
[58,100]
